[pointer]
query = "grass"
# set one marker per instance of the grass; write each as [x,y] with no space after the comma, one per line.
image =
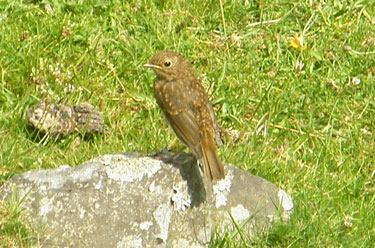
[309,130]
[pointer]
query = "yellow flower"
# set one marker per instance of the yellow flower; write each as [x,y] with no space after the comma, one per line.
[297,42]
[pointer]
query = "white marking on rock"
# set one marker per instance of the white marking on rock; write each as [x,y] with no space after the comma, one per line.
[181,198]
[45,206]
[51,177]
[145,225]
[151,188]
[130,169]
[239,213]
[221,189]
[131,241]
[285,200]
[98,185]
[163,215]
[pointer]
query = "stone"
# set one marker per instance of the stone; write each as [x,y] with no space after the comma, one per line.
[132,200]
[61,119]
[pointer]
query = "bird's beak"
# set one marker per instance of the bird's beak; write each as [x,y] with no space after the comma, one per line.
[152,66]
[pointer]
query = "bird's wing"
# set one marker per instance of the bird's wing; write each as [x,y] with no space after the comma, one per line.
[180,116]
[186,128]
[218,141]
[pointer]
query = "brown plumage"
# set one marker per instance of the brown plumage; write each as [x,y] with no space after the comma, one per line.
[187,109]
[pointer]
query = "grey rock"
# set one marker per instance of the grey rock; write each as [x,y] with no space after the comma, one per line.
[129,200]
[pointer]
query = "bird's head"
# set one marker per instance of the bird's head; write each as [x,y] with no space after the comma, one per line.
[169,65]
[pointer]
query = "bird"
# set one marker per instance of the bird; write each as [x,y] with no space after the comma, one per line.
[187,109]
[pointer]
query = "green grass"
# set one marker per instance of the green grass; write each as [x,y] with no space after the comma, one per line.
[311,132]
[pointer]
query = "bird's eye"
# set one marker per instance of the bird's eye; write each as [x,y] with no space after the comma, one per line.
[167,63]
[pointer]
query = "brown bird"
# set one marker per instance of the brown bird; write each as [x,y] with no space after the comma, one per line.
[187,109]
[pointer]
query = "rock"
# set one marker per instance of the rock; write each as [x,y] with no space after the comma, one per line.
[129,200]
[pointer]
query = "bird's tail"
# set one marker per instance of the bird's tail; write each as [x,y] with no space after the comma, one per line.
[212,166]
